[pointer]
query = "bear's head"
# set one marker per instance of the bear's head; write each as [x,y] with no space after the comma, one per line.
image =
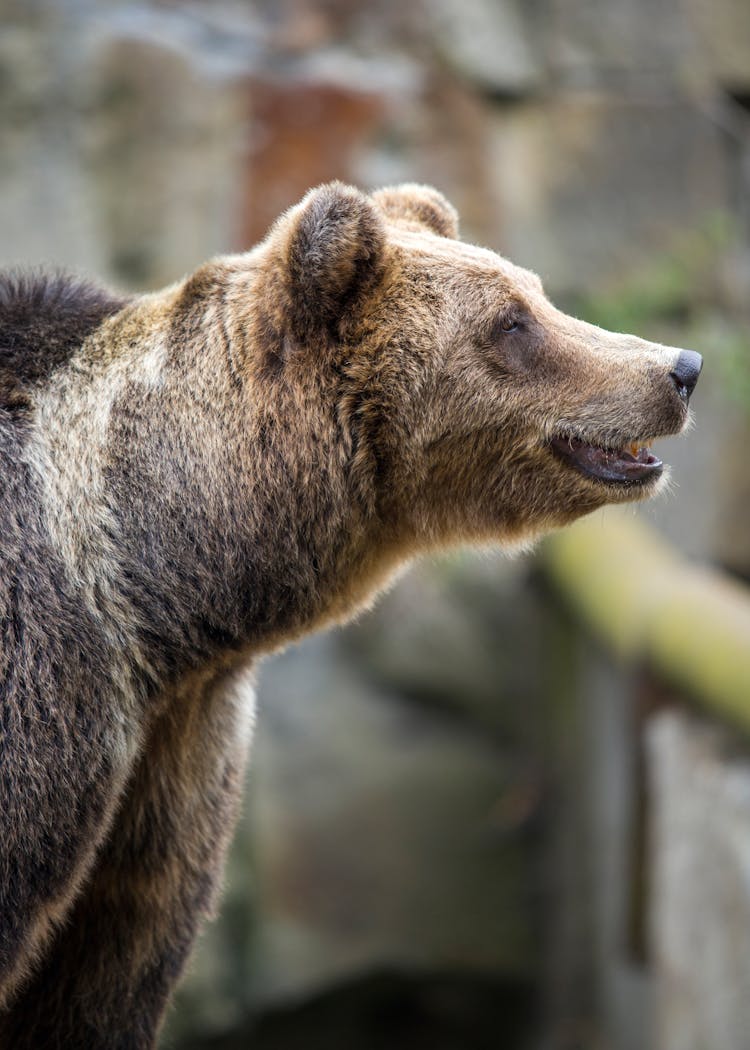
[473,409]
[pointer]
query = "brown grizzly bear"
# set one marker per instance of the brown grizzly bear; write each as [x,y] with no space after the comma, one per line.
[191,478]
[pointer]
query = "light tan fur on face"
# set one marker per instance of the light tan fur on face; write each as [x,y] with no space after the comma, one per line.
[469,427]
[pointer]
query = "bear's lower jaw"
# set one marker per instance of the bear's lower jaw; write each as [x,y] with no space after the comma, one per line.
[634,465]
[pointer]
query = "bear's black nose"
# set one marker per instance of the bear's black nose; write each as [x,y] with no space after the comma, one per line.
[685,373]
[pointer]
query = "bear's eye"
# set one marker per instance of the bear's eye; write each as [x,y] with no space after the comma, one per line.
[508,323]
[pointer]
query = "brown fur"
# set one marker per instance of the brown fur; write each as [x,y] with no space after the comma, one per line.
[193,478]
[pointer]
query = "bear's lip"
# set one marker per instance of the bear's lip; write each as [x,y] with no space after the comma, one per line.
[634,464]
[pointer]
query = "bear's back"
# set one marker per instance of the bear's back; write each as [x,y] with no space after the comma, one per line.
[44,318]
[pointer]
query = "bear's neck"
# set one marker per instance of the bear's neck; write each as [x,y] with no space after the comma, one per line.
[232,539]
[245,576]
[200,520]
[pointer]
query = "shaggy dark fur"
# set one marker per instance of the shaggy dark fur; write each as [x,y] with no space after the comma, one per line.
[44,319]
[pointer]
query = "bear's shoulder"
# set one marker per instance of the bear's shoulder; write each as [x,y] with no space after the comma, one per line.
[44,318]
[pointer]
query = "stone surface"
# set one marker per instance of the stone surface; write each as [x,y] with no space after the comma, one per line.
[381,834]
[700,905]
[651,46]
[305,131]
[120,149]
[162,150]
[590,185]
[45,214]
[595,990]
[590,41]
[395,1011]
[487,42]
[457,635]
[723,29]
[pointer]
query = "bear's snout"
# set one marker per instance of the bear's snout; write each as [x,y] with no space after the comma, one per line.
[685,373]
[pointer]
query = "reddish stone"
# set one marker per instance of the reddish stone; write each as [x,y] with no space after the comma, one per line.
[302,133]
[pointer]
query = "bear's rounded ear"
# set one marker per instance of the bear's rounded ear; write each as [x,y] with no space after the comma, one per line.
[413,204]
[332,245]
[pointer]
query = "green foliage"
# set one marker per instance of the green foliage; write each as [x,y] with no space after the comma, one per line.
[672,288]
[733,361]
[677,297]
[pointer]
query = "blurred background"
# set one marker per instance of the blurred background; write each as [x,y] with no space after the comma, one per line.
[510,808]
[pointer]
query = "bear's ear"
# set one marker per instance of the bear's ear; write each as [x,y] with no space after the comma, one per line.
[332,245]
[413,204]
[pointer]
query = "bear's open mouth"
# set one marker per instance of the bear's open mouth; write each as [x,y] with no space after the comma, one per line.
[634,464]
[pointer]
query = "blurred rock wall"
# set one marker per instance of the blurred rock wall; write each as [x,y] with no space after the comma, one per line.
[579,138]
[445,796]
[700,902]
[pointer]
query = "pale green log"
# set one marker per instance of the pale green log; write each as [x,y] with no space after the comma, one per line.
[649,604]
